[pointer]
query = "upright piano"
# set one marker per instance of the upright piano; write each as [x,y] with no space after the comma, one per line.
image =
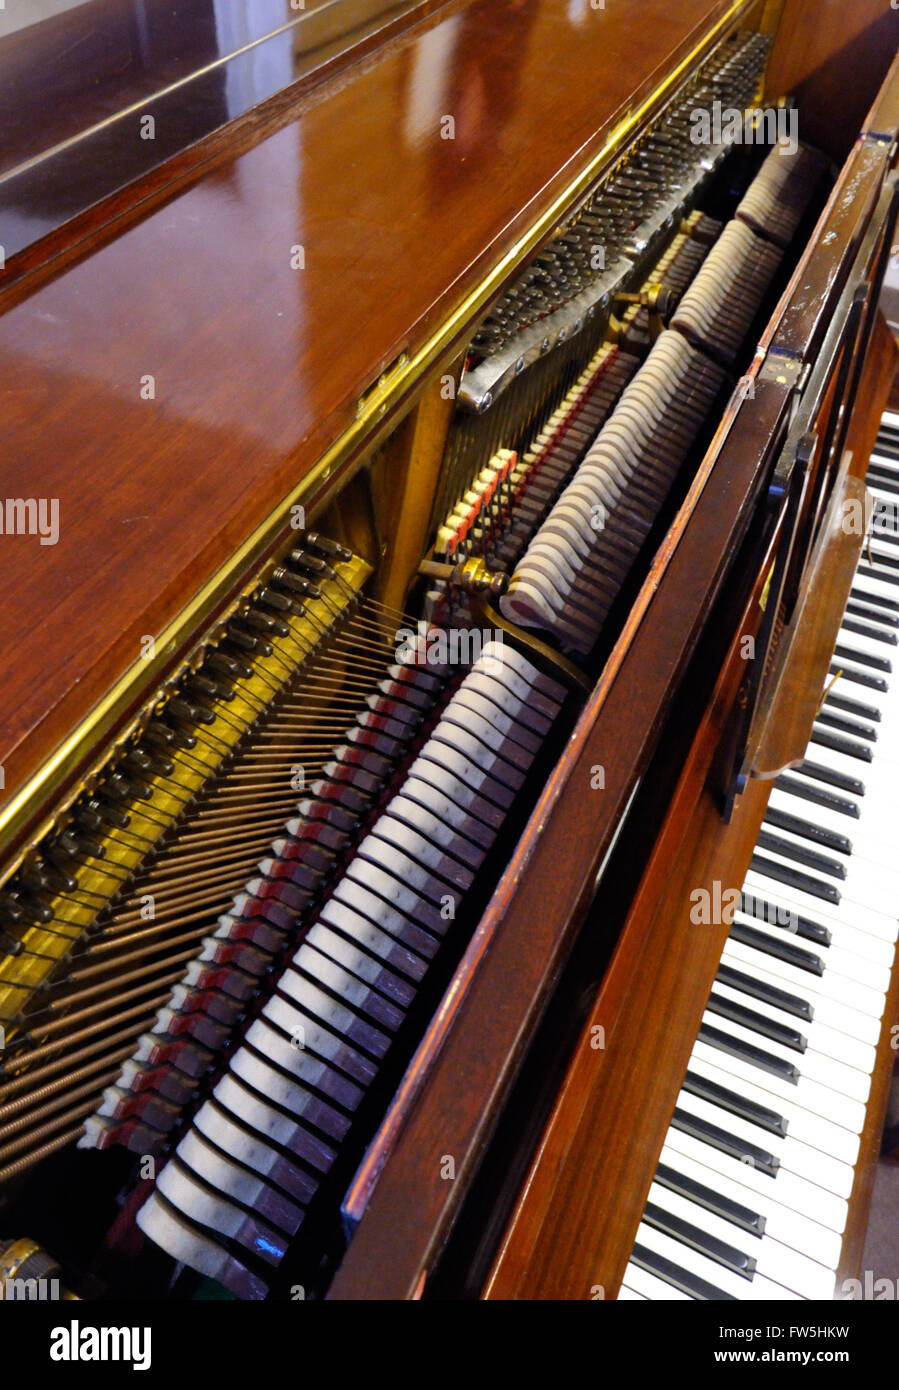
[450,600]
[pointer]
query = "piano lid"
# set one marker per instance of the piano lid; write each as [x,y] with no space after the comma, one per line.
[75,89]
[169,380]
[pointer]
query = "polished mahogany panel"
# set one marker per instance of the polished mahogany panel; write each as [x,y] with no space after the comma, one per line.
[76,91]
[256,366]
[829,55]
[86,64]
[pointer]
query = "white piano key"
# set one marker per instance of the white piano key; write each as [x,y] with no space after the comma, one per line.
[812,1066]
[646,1285]
[874,941]
[819,1037]
[782,1223]
[874,885]
[774,1260]
[802,1159]
[869,837]
[804,1198]
[880,588]
[880,787]
[859,1017]
[863,643]
[756,1289]
[811,1095]
[815,1130]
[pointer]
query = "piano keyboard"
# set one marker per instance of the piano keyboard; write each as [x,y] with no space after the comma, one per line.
[749,1200]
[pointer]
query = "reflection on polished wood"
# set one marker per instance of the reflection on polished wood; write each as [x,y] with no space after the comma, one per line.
[77,90]
[827,53]
[257,366]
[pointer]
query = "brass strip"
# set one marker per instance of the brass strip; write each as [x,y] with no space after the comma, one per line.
[138,677]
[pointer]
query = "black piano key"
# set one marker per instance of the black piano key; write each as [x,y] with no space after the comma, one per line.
[888,605]
[817,794]
[817,834]
[757,1023]
[852,786]
[778,948]
[724,1142]
[876,663]
[768,994]
[883,482]
[678,1278]
[748,1052]
[884,566]
[727,1255]
[795,923]
[882,466]
[747,1110]
[853,707]
[734,1212]
[876,572]
[859,677]
[870,614]
[883,534]
[825,739]
[809,857]
[851,624]
[803,883]
[865,733]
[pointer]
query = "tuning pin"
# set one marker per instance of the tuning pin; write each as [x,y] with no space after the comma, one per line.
[284,579]
[230,666]
[9,945]
[204,685]
[166,737]
[189,711]
[25,905]
[95,814]
[48,876]
[325,546]
[247,641]
[270,598]
[78,846]
[12,908]
[139,760]
[308,564]
[266,623]
[122,788]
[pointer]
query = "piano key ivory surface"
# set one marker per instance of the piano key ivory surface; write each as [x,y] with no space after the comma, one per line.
[411,781]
